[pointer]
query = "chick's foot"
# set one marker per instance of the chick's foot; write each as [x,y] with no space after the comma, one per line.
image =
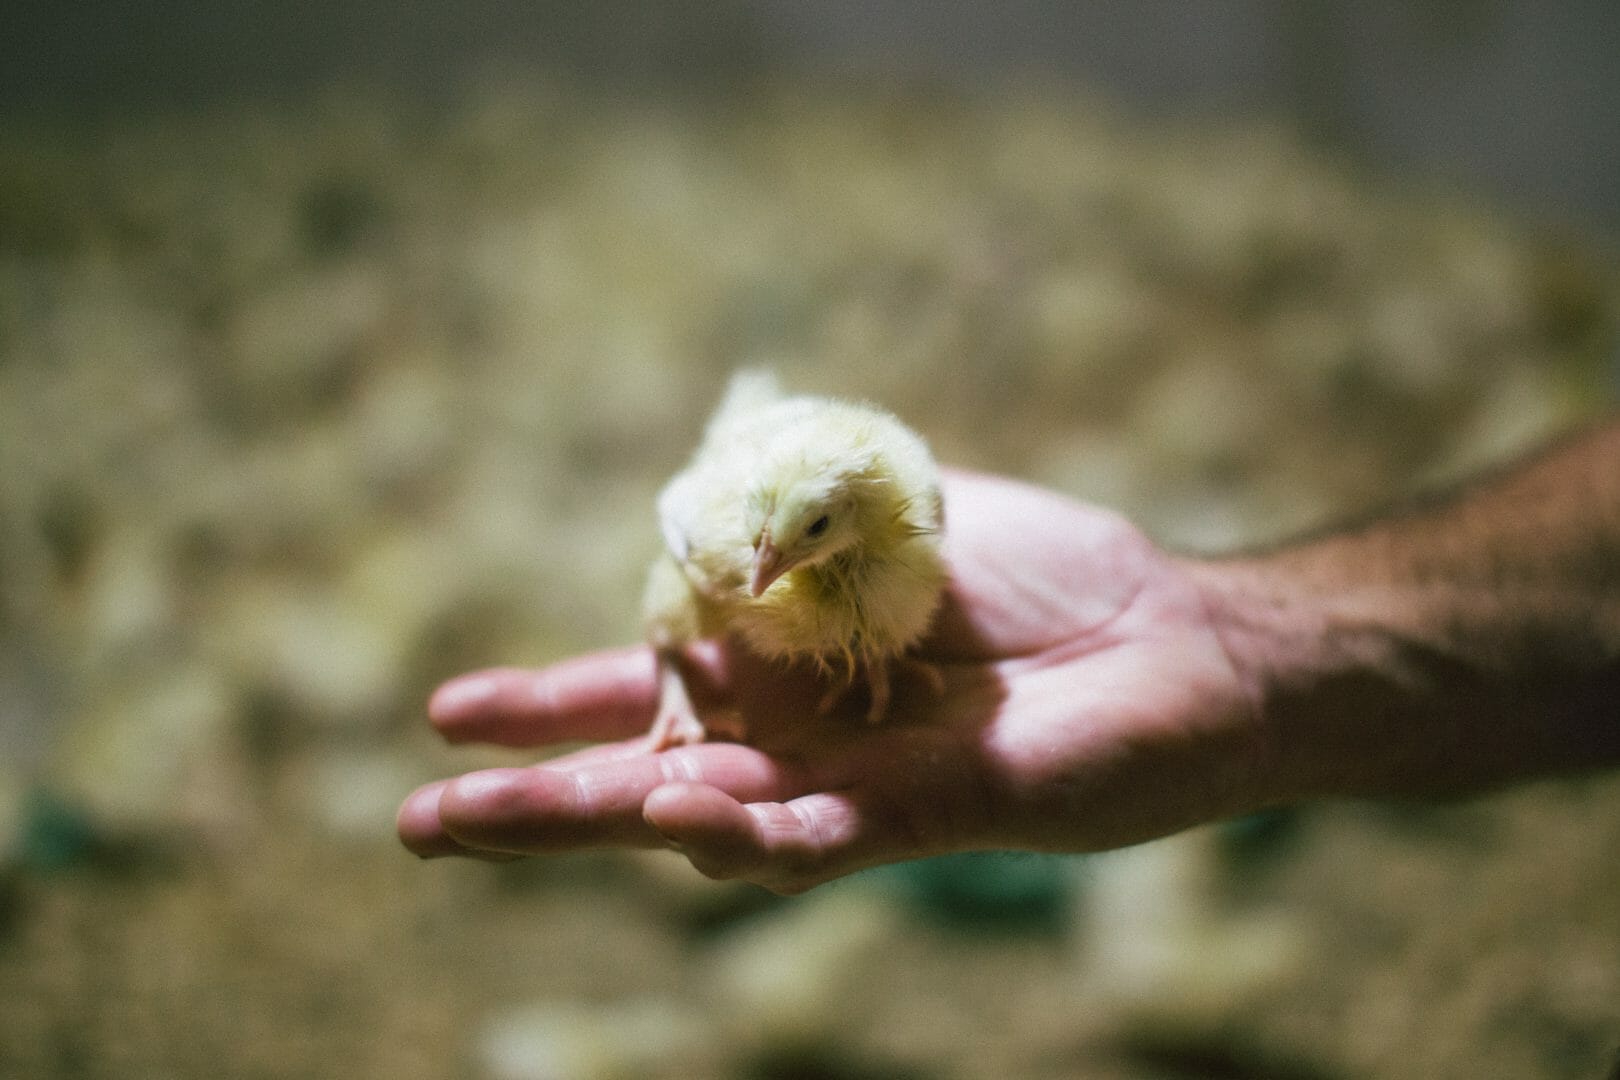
[677,723]
[880,675]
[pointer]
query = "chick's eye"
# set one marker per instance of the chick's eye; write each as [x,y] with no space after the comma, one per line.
[818,526]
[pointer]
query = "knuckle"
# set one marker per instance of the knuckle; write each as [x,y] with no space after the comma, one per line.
[680,765]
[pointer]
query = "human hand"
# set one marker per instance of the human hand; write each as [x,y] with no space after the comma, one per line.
[1086,703]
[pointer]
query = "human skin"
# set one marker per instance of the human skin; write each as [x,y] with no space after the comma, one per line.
[1097,691]
[1469,639]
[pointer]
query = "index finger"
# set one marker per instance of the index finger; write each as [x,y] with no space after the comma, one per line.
[544,809]
[599,696]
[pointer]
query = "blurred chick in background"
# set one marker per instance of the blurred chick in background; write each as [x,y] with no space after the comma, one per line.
[805,527]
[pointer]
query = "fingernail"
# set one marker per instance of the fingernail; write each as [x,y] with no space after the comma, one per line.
[463,694]
[478,785]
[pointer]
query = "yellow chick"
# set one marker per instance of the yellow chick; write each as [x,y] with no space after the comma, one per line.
[805,527]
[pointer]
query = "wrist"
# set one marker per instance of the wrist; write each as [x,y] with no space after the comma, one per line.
[1337,687]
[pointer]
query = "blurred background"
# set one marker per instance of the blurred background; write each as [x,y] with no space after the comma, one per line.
[343,347]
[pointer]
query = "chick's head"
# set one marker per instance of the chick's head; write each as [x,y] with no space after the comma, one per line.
[808,508]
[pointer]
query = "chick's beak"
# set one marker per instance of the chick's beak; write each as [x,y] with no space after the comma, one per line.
[768,565]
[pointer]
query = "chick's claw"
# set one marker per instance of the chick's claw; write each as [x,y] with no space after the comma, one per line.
[877,677]
[880,678]
[925,670]
[674,728]
[677,723]
[882,675]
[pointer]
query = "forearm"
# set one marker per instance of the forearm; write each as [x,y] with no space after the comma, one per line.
[1467,641]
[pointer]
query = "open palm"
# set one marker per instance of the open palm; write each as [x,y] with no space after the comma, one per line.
[1082,701]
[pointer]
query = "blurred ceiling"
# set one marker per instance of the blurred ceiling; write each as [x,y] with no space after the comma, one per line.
[1514,98]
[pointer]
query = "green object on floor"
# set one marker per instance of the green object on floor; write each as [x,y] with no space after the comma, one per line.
[991,891]
[55,834]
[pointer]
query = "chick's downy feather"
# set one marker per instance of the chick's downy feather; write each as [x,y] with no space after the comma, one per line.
[805,527]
